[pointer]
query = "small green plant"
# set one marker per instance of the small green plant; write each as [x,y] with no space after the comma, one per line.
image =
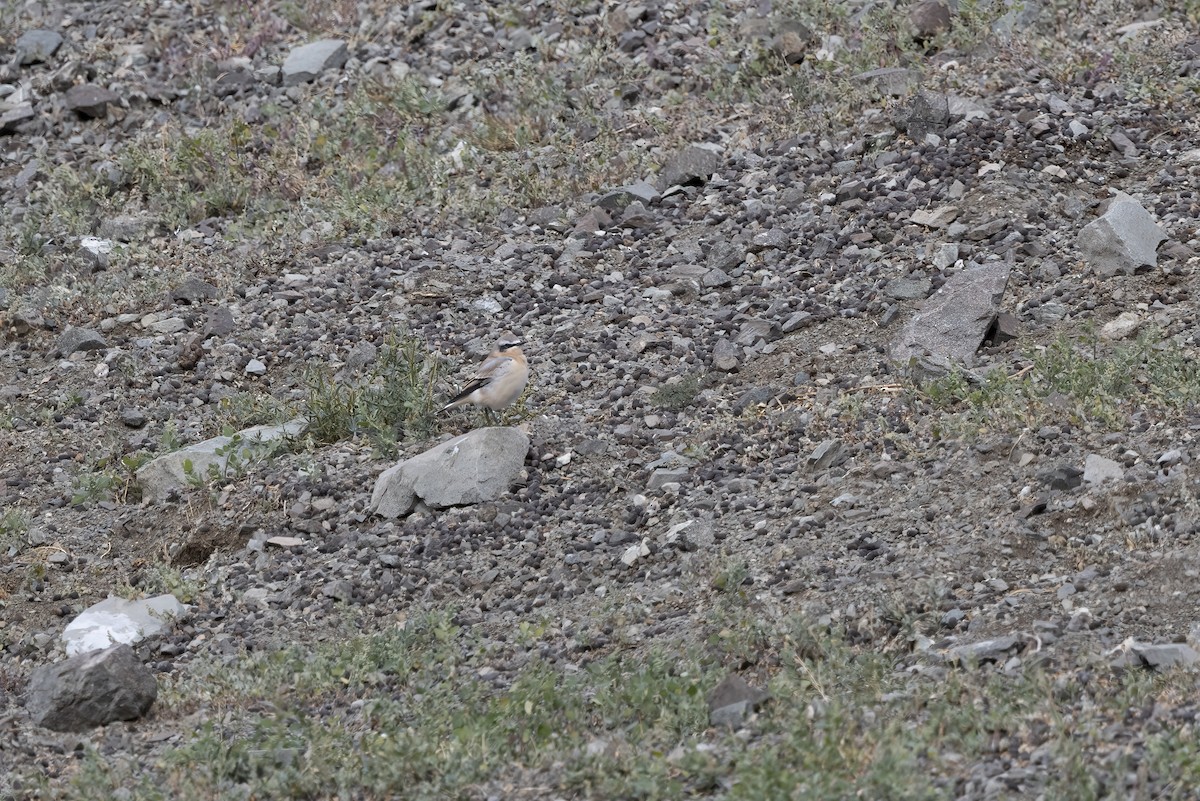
[234,460]
[94,487]
[395,401]
[676,395]
[111,479]
[159,579]
[14,529]
[246,409]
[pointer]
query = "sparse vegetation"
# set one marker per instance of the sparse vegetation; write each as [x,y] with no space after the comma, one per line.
[14,529]
[675,395]
[1083,380]
[396,400]
[842,722]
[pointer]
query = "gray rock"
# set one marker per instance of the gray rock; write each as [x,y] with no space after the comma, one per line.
[725,356]
[339,590]
[937,218]
[1155,657]
[829,453]
[37,45]
[479,466]
[954,320]
[15,117]
[666,475]
[984,651]
[89,100]
[1098,469]
[168,474]
[193,290]
[753,397]
[929,18]
[117,620]
[908,288]
[132,417]
[76,339]
[90,690]
[219,321]
[618,199]
[95,252]
[694,164]
[1064,477]
[929,112]
[1124,238]
[129,227]
[754,330]
[732,700]
[308,61]
[726,256]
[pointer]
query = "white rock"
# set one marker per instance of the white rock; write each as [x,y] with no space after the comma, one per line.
[116,620]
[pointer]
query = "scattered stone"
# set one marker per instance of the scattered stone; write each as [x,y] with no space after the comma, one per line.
[116,620]
[1005,329]
[12,119]
[733,700]
[339,590]
[80,339]
[938,218]
[953,322]
[1122,327]
[694,164]
[88,100]
[929,18]
[829,453]
[1064,477]
[284,542]
[36,46]
[1097,469]
[475,467]
[168,475]
[308,61]
[193,290]
[132,417]
[929,112]
[255,367]
[725,356]
[95,252]
[1125,238]
[992,650]
[666,475]
[1134,654]
[635,552]
[91,689]
[908,288]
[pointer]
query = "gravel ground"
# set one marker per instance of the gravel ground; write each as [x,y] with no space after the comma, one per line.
[710,371]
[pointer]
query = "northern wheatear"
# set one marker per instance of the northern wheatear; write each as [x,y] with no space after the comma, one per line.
[498,382]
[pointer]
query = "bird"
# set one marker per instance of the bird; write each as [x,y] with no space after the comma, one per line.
[498,382]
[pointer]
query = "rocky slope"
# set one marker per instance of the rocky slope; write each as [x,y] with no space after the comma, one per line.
[708,224]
